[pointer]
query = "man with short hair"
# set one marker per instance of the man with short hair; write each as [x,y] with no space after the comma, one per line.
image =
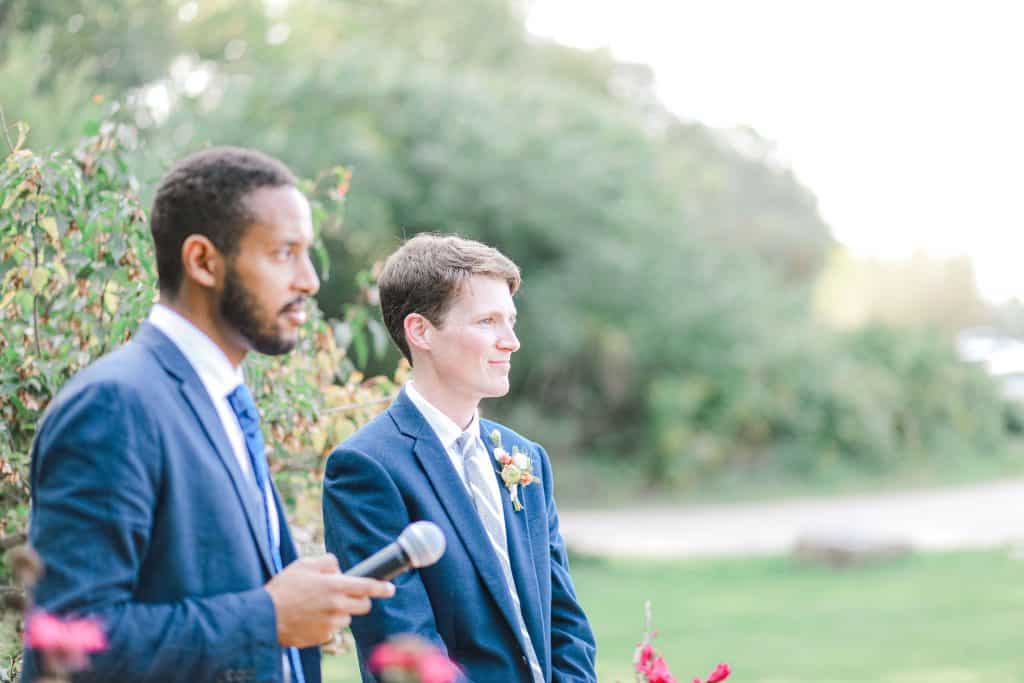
[500,601]
[152,507]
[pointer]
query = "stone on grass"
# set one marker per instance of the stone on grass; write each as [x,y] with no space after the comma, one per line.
[848,547]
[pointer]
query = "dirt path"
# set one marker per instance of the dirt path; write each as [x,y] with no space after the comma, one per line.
[976,516]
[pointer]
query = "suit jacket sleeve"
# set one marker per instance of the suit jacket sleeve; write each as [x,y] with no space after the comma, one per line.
[573,649]
[363,512]
[96,484]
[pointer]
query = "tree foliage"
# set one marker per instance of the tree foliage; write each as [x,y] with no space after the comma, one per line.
[668,267]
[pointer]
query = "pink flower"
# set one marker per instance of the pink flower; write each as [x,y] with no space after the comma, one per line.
[720,673]
[652,667]
[44,632]
[436,668]
[658,672]
[389,656]
[408,658]
[64,643]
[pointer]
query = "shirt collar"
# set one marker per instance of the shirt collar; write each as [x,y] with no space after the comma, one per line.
[445,428]
[216,372]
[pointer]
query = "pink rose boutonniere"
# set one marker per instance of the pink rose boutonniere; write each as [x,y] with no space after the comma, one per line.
[516,469]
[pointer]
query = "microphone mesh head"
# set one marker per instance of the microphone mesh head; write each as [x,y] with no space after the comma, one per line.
[423,543]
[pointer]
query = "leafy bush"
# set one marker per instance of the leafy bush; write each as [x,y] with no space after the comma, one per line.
[869,398]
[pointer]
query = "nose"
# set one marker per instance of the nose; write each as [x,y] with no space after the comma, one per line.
[307,281]
[508,341]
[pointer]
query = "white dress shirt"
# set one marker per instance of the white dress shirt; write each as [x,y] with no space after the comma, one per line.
[448,433]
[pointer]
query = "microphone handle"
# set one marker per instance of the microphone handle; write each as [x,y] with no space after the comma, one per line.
[384,565]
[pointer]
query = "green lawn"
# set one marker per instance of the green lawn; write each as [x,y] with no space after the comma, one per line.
[952,618]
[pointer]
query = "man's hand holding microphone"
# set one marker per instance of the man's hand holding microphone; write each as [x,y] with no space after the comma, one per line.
[313,599]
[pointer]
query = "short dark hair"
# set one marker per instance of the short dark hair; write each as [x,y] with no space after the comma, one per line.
[204,194]
[426,274]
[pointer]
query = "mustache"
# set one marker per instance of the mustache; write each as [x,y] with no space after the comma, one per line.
[293,305]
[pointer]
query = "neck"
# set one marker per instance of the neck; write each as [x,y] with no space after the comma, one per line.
[459,408]
[202,312]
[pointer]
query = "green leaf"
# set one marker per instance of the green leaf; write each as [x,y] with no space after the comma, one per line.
[49,225]
[40,278]
[111,299]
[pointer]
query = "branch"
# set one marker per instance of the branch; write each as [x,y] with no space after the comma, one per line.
[35,297]
[7,132]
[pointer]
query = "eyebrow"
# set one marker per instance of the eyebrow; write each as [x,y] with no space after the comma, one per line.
[289,242]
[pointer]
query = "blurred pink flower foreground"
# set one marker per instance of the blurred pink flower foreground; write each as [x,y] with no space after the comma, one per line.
[651,667]
[412,659]
[65,644]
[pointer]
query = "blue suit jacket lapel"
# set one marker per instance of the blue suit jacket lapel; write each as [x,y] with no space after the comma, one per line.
[521,553]
[455,499]
[175,363]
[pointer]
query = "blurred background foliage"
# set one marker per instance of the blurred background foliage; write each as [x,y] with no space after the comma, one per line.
[685,311]
[687,318]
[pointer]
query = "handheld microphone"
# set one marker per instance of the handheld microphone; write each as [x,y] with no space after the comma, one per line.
[420,544]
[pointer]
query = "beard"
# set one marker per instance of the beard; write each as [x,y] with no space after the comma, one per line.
[240,309]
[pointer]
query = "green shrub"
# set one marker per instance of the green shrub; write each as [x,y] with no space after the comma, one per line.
[868,398]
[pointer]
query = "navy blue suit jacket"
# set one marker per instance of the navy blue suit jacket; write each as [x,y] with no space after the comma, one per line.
[144,519]
[395,471]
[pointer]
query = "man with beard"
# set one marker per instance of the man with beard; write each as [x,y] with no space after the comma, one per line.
[152,507]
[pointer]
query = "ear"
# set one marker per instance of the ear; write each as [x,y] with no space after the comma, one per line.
[202,262]
[418,332]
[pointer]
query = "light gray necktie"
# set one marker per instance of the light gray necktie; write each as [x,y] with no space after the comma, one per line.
[489,510]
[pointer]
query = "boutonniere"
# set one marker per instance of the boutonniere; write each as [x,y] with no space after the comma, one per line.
[516,469]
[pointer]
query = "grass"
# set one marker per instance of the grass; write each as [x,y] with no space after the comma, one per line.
[947,618]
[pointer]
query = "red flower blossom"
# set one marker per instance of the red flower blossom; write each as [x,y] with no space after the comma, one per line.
[720,673]
[436,668]
[389,656]
[658,672]
[411,658]
[651,667]
[64,643]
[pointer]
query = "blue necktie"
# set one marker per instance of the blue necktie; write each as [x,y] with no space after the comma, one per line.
[249,419]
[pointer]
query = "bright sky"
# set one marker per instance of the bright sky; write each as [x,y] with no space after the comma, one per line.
[905,117]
